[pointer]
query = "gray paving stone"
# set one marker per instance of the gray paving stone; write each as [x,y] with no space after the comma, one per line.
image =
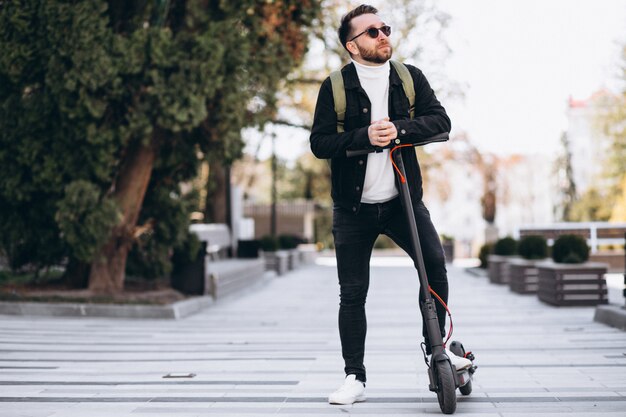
[276,351]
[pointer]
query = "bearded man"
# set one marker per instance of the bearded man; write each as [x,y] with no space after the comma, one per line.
[364,189]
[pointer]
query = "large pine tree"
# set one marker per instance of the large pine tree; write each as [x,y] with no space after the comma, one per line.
[105,107]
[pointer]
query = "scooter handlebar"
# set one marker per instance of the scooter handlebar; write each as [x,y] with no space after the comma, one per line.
[442,137]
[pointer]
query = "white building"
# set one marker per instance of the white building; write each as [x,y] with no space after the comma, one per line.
[454,185]
[588,145]
[526,192]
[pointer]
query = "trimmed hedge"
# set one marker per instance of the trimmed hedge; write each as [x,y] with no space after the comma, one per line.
[505,247]
[570,249]
[288,241]
[483,255]
[533,247]
[269,243]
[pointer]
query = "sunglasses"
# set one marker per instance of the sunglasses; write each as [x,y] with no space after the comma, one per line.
[373,32]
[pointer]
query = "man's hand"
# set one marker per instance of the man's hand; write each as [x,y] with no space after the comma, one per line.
[382,132]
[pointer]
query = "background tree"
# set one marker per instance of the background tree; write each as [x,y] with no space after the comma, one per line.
[594,205]
[310,177]
[108,104]
[490,187]
[614,124]
[565,181]
[417,36]
[418,26]
[618,213]
[605,198]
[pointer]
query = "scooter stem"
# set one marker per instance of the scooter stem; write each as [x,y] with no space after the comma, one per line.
[428,308]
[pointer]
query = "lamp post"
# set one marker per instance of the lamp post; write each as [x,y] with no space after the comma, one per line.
[273,205]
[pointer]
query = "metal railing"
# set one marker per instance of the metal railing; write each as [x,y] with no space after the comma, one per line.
[596,233]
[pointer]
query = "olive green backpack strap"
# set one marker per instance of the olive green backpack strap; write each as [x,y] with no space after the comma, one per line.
[407,84]
[339,92]
[339,96]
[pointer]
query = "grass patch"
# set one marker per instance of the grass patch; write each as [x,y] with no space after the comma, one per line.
[50,287]
[77,299]
[28,278]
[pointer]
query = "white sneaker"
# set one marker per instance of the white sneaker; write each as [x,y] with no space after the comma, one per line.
[350,392]
[458,362]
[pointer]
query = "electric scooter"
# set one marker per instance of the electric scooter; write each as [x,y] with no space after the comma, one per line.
[444,379]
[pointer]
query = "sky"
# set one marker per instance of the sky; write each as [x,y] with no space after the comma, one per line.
[518,62]
[522,60]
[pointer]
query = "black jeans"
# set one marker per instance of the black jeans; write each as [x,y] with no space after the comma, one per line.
[354,236]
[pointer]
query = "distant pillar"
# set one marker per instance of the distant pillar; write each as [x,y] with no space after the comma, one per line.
[274,173]
[491,233]
[309,225]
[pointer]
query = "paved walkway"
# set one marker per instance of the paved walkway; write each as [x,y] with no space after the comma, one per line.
[276,351]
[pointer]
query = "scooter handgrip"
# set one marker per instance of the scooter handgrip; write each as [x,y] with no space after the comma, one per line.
[351,153]
[441,137]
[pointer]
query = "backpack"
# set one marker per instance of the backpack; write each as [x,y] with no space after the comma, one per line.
[339,92]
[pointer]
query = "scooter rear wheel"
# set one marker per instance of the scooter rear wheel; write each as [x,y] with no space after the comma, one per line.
[466,389]
[446,390]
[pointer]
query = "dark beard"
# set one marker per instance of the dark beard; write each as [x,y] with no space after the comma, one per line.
[376,56]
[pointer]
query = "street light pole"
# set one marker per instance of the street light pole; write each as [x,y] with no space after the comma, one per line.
[273,206]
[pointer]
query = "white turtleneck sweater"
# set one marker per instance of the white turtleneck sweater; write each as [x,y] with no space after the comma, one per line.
[379,183]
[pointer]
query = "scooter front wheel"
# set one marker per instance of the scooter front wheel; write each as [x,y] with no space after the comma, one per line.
[446,390]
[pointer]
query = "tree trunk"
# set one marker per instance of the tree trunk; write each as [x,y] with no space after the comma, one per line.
[108,268]
[77,274]
[217,204]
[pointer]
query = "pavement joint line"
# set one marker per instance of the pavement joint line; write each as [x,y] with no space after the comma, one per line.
[378,400]
[556,365]
[122,383]
[160,360]
[479,365]
[278,383]
[161,343]
[330,349]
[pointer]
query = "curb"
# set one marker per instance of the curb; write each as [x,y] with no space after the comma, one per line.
[477,272]
[175,310]
[611,315]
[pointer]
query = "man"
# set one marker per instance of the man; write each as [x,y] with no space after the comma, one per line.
[364,190]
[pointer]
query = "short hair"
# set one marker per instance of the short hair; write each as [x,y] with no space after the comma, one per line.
[345,28]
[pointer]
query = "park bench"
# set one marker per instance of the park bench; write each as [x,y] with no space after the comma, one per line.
[218,239]
[596,233]
[216,273]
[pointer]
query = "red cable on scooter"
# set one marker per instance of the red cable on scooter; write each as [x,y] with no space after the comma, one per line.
[403,180]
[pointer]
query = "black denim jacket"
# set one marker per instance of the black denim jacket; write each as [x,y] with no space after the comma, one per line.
[348,174]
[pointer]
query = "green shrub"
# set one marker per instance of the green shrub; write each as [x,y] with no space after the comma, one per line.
[384,242]
[570,249]
[533,247]
[288,241]
[187,251]
[446,238]
[505,247]
[485,251]
[85,218]
[269,243]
